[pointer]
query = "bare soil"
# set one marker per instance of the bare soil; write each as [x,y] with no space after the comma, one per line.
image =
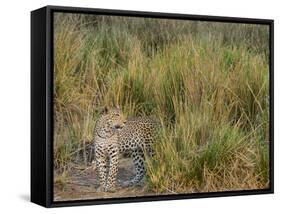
[81,183]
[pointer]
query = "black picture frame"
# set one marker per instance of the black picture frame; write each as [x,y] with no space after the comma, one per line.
[42,104]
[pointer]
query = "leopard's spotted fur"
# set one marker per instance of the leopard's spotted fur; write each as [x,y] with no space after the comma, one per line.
[114,135]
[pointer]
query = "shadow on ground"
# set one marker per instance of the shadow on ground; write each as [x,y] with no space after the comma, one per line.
[82,184]
[24,197]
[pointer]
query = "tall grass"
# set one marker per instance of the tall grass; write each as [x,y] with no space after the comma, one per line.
[208,83]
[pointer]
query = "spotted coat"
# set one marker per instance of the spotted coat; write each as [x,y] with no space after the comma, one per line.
[114,135]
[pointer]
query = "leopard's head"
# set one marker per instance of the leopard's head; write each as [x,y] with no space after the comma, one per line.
[111,120]
[114,117]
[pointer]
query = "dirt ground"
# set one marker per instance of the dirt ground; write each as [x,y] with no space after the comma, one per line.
[82,183]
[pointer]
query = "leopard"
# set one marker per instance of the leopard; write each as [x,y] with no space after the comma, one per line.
[116,135]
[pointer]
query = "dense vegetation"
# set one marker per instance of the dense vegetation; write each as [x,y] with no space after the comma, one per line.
[208,83]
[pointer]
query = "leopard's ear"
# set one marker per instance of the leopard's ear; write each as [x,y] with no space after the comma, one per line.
[105,110]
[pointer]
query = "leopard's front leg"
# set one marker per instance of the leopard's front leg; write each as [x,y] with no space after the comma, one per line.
[113,168]
[101,166]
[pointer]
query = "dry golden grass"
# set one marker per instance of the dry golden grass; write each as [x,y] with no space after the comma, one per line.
[208,83]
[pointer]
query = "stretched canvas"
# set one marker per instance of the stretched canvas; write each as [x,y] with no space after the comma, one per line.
[152,106]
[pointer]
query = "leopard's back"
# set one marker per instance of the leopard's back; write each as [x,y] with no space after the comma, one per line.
[138,132]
